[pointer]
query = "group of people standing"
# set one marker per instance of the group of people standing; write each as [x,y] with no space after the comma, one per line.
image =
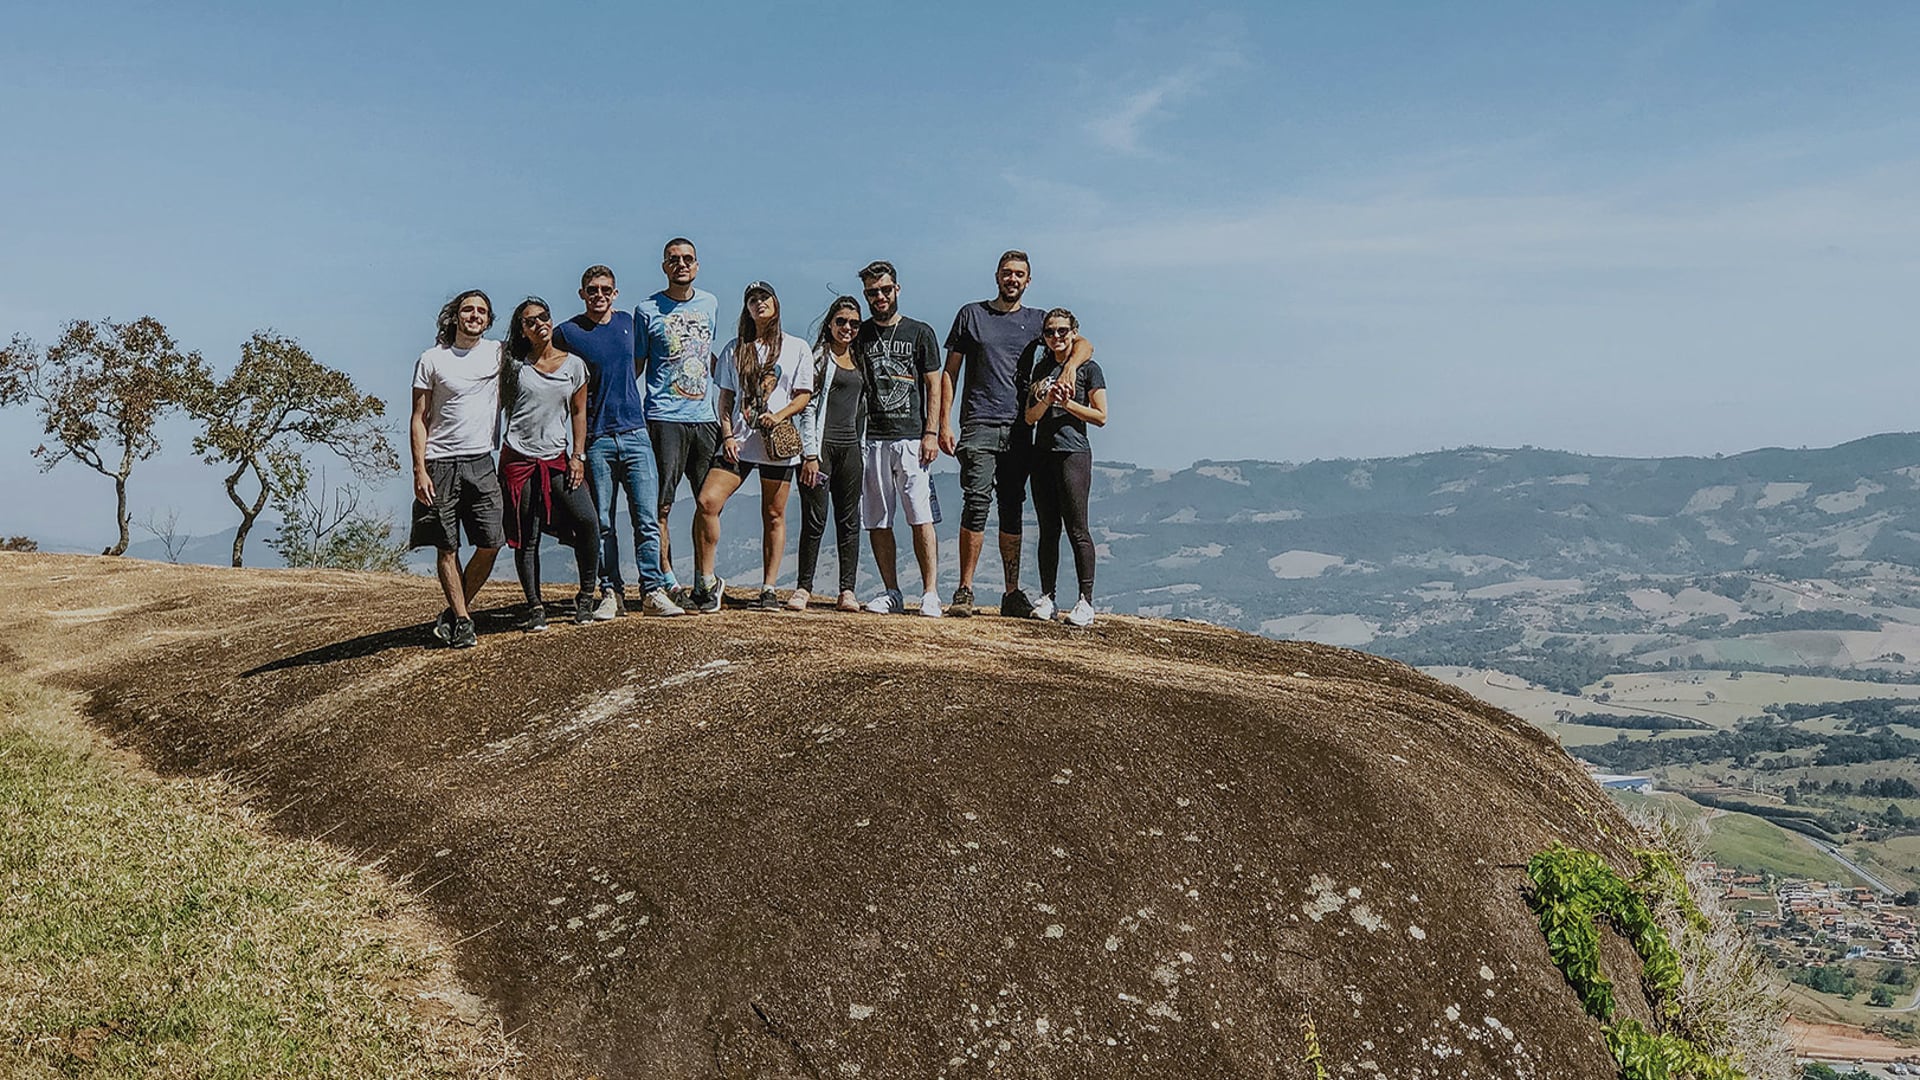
[611,402]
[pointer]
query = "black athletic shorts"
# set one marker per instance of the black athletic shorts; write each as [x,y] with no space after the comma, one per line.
[682,449]
[744,469]
[466,495]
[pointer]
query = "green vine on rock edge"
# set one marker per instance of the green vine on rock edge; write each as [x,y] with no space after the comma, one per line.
[1572,889]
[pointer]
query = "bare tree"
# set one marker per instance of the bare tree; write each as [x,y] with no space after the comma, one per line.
[280,400]
[165,527]
[324,526]
[99,391]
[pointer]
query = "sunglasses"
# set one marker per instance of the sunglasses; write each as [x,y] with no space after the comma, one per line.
[531,319]
[677,259]
[884,290]
[1057,331]
[598,290]
[846,322]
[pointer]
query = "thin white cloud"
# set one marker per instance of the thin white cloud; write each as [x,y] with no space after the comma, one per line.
[1120,122]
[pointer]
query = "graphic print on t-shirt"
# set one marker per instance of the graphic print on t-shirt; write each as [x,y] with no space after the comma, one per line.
[889,361]
[690,339]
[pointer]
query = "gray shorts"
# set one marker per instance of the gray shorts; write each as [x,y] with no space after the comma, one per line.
[994,459]
[466,495]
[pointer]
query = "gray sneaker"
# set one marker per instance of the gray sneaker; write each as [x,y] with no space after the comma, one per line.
[962,606]
[462,635]
[443,625]
[659,603]
[708,601]
[889,602]
[611,606]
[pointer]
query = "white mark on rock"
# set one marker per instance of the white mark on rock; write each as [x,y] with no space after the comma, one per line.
[1486,972]
[859,1012]
[1416,933]
[1055,930]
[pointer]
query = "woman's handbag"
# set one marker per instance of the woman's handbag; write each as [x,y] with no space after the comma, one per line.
[783,439]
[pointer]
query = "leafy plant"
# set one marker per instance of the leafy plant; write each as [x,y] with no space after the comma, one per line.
[1572,891]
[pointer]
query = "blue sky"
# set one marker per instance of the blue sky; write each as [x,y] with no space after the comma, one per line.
[1293,231]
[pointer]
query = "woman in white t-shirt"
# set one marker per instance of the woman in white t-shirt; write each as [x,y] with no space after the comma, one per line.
[765,378]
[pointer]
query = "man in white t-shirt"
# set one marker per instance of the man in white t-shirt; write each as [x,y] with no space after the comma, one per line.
[456,407]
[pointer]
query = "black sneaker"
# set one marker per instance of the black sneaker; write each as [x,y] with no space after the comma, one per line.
[768,600]
[583,609]
[462,635]
[962,606]
[443,625]
[708,601]
[1015,605]
[536,618]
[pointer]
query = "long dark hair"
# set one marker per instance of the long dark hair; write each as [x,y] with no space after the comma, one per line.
[824,338]
[519,345]
[448,327]
[746,360]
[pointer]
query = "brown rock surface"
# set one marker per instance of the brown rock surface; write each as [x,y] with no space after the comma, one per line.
[825,845]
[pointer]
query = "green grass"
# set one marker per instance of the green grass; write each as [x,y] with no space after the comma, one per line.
[152,928]
[1751,843]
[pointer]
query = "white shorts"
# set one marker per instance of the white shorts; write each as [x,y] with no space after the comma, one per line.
[893,476]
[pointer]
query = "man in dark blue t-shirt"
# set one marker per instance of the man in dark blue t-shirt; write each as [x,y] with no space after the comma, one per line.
[994,444]
[619,454]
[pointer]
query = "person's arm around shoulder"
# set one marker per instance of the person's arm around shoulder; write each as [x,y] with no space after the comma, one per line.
[1095,410]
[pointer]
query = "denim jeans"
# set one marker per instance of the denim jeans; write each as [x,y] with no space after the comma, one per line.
[617,463]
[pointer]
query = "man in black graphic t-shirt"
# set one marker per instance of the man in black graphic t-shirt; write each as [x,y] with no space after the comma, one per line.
[900,360]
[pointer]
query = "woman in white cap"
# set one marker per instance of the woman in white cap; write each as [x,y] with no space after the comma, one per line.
[765,378]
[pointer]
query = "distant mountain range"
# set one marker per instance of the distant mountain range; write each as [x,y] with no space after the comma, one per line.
[1462,555]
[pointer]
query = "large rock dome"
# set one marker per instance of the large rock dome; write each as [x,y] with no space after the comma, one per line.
[825,845]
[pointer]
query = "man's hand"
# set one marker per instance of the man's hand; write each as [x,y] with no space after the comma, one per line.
[948,443]
[810,472]
[929,449]
[423,486]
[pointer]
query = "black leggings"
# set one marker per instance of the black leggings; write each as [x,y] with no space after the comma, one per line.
[1061,482]
[575,507]
[840,468]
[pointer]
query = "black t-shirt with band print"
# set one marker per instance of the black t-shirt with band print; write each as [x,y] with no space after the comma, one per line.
[894,361]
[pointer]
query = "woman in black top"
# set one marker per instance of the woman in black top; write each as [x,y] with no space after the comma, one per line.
[830,461]
[1062,397]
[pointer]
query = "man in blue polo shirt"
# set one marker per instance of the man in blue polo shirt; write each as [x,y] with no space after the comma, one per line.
[678,326]
[619,454]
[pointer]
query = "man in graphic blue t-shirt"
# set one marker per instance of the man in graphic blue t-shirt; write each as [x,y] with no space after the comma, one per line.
[619,454]
[678,326]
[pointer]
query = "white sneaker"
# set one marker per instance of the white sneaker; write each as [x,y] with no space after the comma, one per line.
[658,603]
[930,605]
[1044,609]
[1082,613]
[798,601]
[888,603]
[610,606]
